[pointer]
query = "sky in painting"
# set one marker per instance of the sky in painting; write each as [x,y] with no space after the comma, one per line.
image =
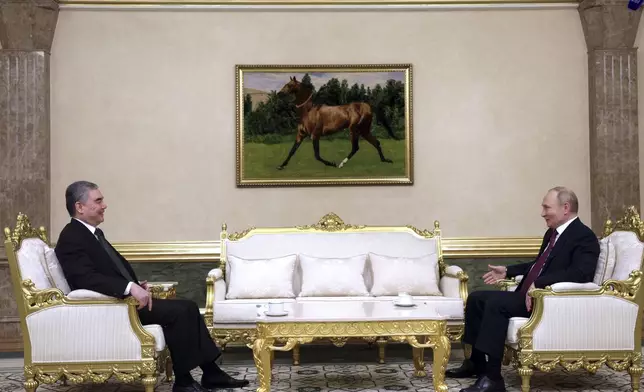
[268,81]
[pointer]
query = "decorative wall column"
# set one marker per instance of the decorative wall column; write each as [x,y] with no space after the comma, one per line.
[26,34]
[610,29]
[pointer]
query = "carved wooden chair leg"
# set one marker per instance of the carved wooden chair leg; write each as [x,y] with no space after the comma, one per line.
[30,384]
[467,350]
[525,373]
[169,375]
[507,356]
[382,343]
[296,355]
[636,373]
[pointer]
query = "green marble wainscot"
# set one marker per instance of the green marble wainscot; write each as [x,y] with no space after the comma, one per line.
[476,268]
[191,277]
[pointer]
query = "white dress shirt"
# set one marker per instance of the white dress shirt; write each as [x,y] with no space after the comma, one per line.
[563,227]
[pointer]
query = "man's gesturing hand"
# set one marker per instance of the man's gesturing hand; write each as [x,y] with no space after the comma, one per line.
[528,298]
[495,273]
[141,295]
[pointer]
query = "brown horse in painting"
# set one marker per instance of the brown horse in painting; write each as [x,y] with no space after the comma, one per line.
[320,120]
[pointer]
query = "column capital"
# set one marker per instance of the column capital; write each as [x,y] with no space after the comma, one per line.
[608,24]
[28,24]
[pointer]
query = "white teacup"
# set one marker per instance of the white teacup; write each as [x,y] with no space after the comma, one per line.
[405,299]
[275,307]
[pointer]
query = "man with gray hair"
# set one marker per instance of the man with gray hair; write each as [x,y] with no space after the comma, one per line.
[90,262]
[568,253]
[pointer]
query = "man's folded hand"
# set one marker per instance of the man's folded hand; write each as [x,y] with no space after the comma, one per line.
[141,295]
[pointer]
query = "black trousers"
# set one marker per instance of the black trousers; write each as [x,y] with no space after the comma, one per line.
[185,332]
[487,315]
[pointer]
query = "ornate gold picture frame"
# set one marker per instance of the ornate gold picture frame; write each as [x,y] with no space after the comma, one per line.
[302,125]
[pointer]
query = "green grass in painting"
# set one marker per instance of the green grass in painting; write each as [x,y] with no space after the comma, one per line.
[261,160]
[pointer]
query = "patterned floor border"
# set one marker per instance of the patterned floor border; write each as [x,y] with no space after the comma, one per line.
[357,378]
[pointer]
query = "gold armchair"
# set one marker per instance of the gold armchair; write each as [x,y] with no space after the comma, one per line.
[77,336]
[587,325]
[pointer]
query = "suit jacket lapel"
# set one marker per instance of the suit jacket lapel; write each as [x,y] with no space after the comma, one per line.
[93,243]
[561,242]
[86,233]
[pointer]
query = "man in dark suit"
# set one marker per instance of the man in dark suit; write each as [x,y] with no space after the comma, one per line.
[90,262]
[568,253]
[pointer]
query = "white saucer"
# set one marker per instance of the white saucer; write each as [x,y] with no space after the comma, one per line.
[284,313]
[411,305]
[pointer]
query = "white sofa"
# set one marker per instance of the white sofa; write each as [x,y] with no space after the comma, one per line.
[587,325]
[328,261]
[80,335]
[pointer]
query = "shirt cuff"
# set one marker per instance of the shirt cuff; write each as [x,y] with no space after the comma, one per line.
[127,289]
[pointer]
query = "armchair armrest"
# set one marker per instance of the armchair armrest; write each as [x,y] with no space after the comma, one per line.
[215,291]
[87,294]
[163,290]
[562,315]
[453,282]
[570,286]
[83,327]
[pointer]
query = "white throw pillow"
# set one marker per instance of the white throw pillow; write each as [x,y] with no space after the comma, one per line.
[31,262]
[628,254]
[412,275]
[261,278]
[56,271]
[605,262]
[328,277]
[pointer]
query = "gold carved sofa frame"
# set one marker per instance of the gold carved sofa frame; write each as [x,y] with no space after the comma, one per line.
[329,223]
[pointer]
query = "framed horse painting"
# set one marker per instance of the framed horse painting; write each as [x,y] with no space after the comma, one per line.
[324,125]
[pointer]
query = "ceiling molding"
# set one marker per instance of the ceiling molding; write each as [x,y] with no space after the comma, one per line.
[356,5]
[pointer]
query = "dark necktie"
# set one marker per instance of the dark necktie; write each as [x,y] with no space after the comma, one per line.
[538,266]
[118,263]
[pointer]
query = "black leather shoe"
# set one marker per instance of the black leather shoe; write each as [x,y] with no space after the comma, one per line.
[222,381]
[466,370]
[485,384]
[194,387]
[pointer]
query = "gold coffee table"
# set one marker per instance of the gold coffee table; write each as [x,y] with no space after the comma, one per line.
[420,326]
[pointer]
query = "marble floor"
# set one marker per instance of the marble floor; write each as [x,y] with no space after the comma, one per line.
[345,369]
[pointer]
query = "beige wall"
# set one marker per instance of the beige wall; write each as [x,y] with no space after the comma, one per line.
[143,104]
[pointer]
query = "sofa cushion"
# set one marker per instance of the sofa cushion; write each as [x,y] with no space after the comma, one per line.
[341,276]
[411,275]
[513,329]
[261,278]
[156,331]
